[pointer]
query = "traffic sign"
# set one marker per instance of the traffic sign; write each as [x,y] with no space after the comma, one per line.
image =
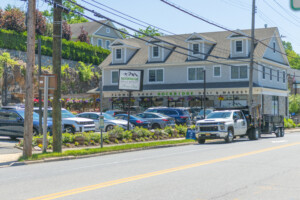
[101,122]
[295,4]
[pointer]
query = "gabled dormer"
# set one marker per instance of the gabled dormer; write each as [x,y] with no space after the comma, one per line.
[123,51]
[199,46]
[158,50]
[240,44]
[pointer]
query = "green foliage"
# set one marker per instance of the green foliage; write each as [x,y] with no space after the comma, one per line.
[5,59]
[124,35]
[49,146]
[141,132]
[148,31]
[77,51]
[294,103]
[289,123]
[85,71]
[293,57]
[64,70]
[181,129]
[67,138]
[76,144]
[116,132]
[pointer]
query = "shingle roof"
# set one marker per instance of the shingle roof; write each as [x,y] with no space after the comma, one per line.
[221,49]
[90,27]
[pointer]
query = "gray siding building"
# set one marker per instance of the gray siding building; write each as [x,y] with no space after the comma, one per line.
[174,68]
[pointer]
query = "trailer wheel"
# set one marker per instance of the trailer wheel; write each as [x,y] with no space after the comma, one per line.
[277,132]
[253,134]
[281,132]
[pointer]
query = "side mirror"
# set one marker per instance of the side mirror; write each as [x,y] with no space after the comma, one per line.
[19,119]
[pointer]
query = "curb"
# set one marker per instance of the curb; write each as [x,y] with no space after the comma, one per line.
[63,158]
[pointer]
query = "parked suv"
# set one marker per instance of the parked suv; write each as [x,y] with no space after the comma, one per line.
[72,123]
[12,122]
[180,115]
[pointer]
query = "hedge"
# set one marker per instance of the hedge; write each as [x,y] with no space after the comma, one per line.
[77,51]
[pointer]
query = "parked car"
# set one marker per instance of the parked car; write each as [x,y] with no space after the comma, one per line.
[135,120]
[193,111]
[72,123]
[201,114]
[12,122]
[115,112]
[109,121]
[180,115]
[157,120]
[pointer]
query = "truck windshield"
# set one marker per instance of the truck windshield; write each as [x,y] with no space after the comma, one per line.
[218,115]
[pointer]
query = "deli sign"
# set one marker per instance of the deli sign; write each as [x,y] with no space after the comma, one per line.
[130,80]
[295,4]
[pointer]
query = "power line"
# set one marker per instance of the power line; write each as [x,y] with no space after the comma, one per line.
[220,26]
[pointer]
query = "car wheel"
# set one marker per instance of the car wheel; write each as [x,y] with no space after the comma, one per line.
[201,141]
[35,132]
[69,129]
[109,127]
[230,136]
[155,126]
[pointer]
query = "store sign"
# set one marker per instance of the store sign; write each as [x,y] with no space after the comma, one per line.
[130,80]
[295,4]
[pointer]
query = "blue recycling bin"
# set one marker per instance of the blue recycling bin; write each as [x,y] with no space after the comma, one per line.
[190,134]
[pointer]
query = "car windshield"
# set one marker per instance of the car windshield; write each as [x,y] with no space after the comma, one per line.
[218,115]
[22,113]
[64,114]
[206,112]
[108,117]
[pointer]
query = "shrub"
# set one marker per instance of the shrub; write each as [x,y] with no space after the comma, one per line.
[49,146]
[140,132]
[181,129]
[116,141]
[13,19]
[169,130]
[86,143]
[115,133]
[76,144]
[92,142]
[289,123]
[83,36]
[67,138]
[68,145]
[66,30]
[40,24]
[85,71]
[124,140]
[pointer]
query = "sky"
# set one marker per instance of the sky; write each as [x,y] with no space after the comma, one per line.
[232,14]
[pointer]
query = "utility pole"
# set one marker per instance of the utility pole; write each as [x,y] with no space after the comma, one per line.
[250,96]
[40,91]
[28,123]
[56,60]
[204,91]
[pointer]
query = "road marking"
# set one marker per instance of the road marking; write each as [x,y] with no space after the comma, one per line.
[279,141]
[156,173]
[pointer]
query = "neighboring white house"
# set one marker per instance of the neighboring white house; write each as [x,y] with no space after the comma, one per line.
[175,80]
[100,35]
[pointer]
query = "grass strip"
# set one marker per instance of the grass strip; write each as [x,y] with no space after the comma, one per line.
[88,151]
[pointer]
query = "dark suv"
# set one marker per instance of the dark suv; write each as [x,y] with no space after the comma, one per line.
[180,115]
[12,122]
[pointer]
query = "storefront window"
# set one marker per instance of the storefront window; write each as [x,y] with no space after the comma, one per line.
[147,102]
[175,102]
[275,107]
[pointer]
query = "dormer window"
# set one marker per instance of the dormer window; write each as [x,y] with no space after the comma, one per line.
[118,54]
[239,46]
[155,52]
[274,47]
[196,49]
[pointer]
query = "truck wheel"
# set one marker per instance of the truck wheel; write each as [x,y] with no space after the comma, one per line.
[281,132]
[277,132]
[253,134]
[201,141]
[69,129]
[230,136]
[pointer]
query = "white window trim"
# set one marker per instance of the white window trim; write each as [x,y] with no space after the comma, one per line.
[107,30]
[155,82]
[235,51]
[214,71]
[115,52]
[101,42]
[239,79]
[193,81]
[152,52]
[111,76]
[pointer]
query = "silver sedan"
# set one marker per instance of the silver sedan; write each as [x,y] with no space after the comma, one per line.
[157,120]
[109,121]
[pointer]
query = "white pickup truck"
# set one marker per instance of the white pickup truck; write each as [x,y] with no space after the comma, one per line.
[225,124]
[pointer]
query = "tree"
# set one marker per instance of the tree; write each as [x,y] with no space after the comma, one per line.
[1,17]
[125,36]
[293,57]
[294,103]
[66,30]
[13,19]
[148,31]
[83,36]
[40,24]
[71,17]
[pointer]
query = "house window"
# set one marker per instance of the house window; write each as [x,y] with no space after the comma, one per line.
[107,44]
[118,53]
[107,30]
[271,74]
[156,75]
[278,75]
[217,71]
[238,46]
[99,43]
[195,74]
[283,76]
[196,49]
[274,47]
[155,52]
[264,72]
[114,77]
[239,72]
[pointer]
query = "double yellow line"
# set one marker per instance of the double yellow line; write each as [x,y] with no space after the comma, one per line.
[156,173]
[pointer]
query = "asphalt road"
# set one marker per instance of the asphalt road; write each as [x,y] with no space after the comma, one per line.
[243,170]
[7,146]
